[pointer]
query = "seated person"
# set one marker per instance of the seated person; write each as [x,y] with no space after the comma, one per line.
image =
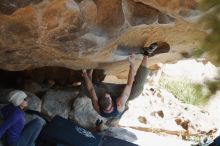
[13,130]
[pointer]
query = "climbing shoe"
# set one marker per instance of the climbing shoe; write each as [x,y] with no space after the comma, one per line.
[156,48]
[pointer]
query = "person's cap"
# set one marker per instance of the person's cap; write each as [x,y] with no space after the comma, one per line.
[16,97]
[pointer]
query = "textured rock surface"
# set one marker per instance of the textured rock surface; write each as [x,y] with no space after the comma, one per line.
[85,33]
[175,115]
[4,95]
[145,138]
[213,108]
[58,102]
[34,102]
[84,113]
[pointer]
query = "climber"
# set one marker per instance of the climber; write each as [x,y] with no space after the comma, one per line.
[109,100]
[13,130]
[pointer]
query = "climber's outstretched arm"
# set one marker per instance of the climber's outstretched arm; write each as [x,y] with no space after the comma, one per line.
[91,90]
[127,90]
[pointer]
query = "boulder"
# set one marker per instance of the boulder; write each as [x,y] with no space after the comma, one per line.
[83,112]
[58,102]
[4,95]
[213,108]
[34,102]
[86,34]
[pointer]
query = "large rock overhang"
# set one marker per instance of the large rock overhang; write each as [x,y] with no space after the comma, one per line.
[86,33]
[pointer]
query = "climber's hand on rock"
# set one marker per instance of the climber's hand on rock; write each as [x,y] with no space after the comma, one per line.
[90,73]
[131,59]
[84,73]
[98,124]
[84,70]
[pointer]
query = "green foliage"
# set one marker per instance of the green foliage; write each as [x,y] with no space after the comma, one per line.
[186,91]
[206,4]
[213,86]
[198,52]
[211,21]
[211,44]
